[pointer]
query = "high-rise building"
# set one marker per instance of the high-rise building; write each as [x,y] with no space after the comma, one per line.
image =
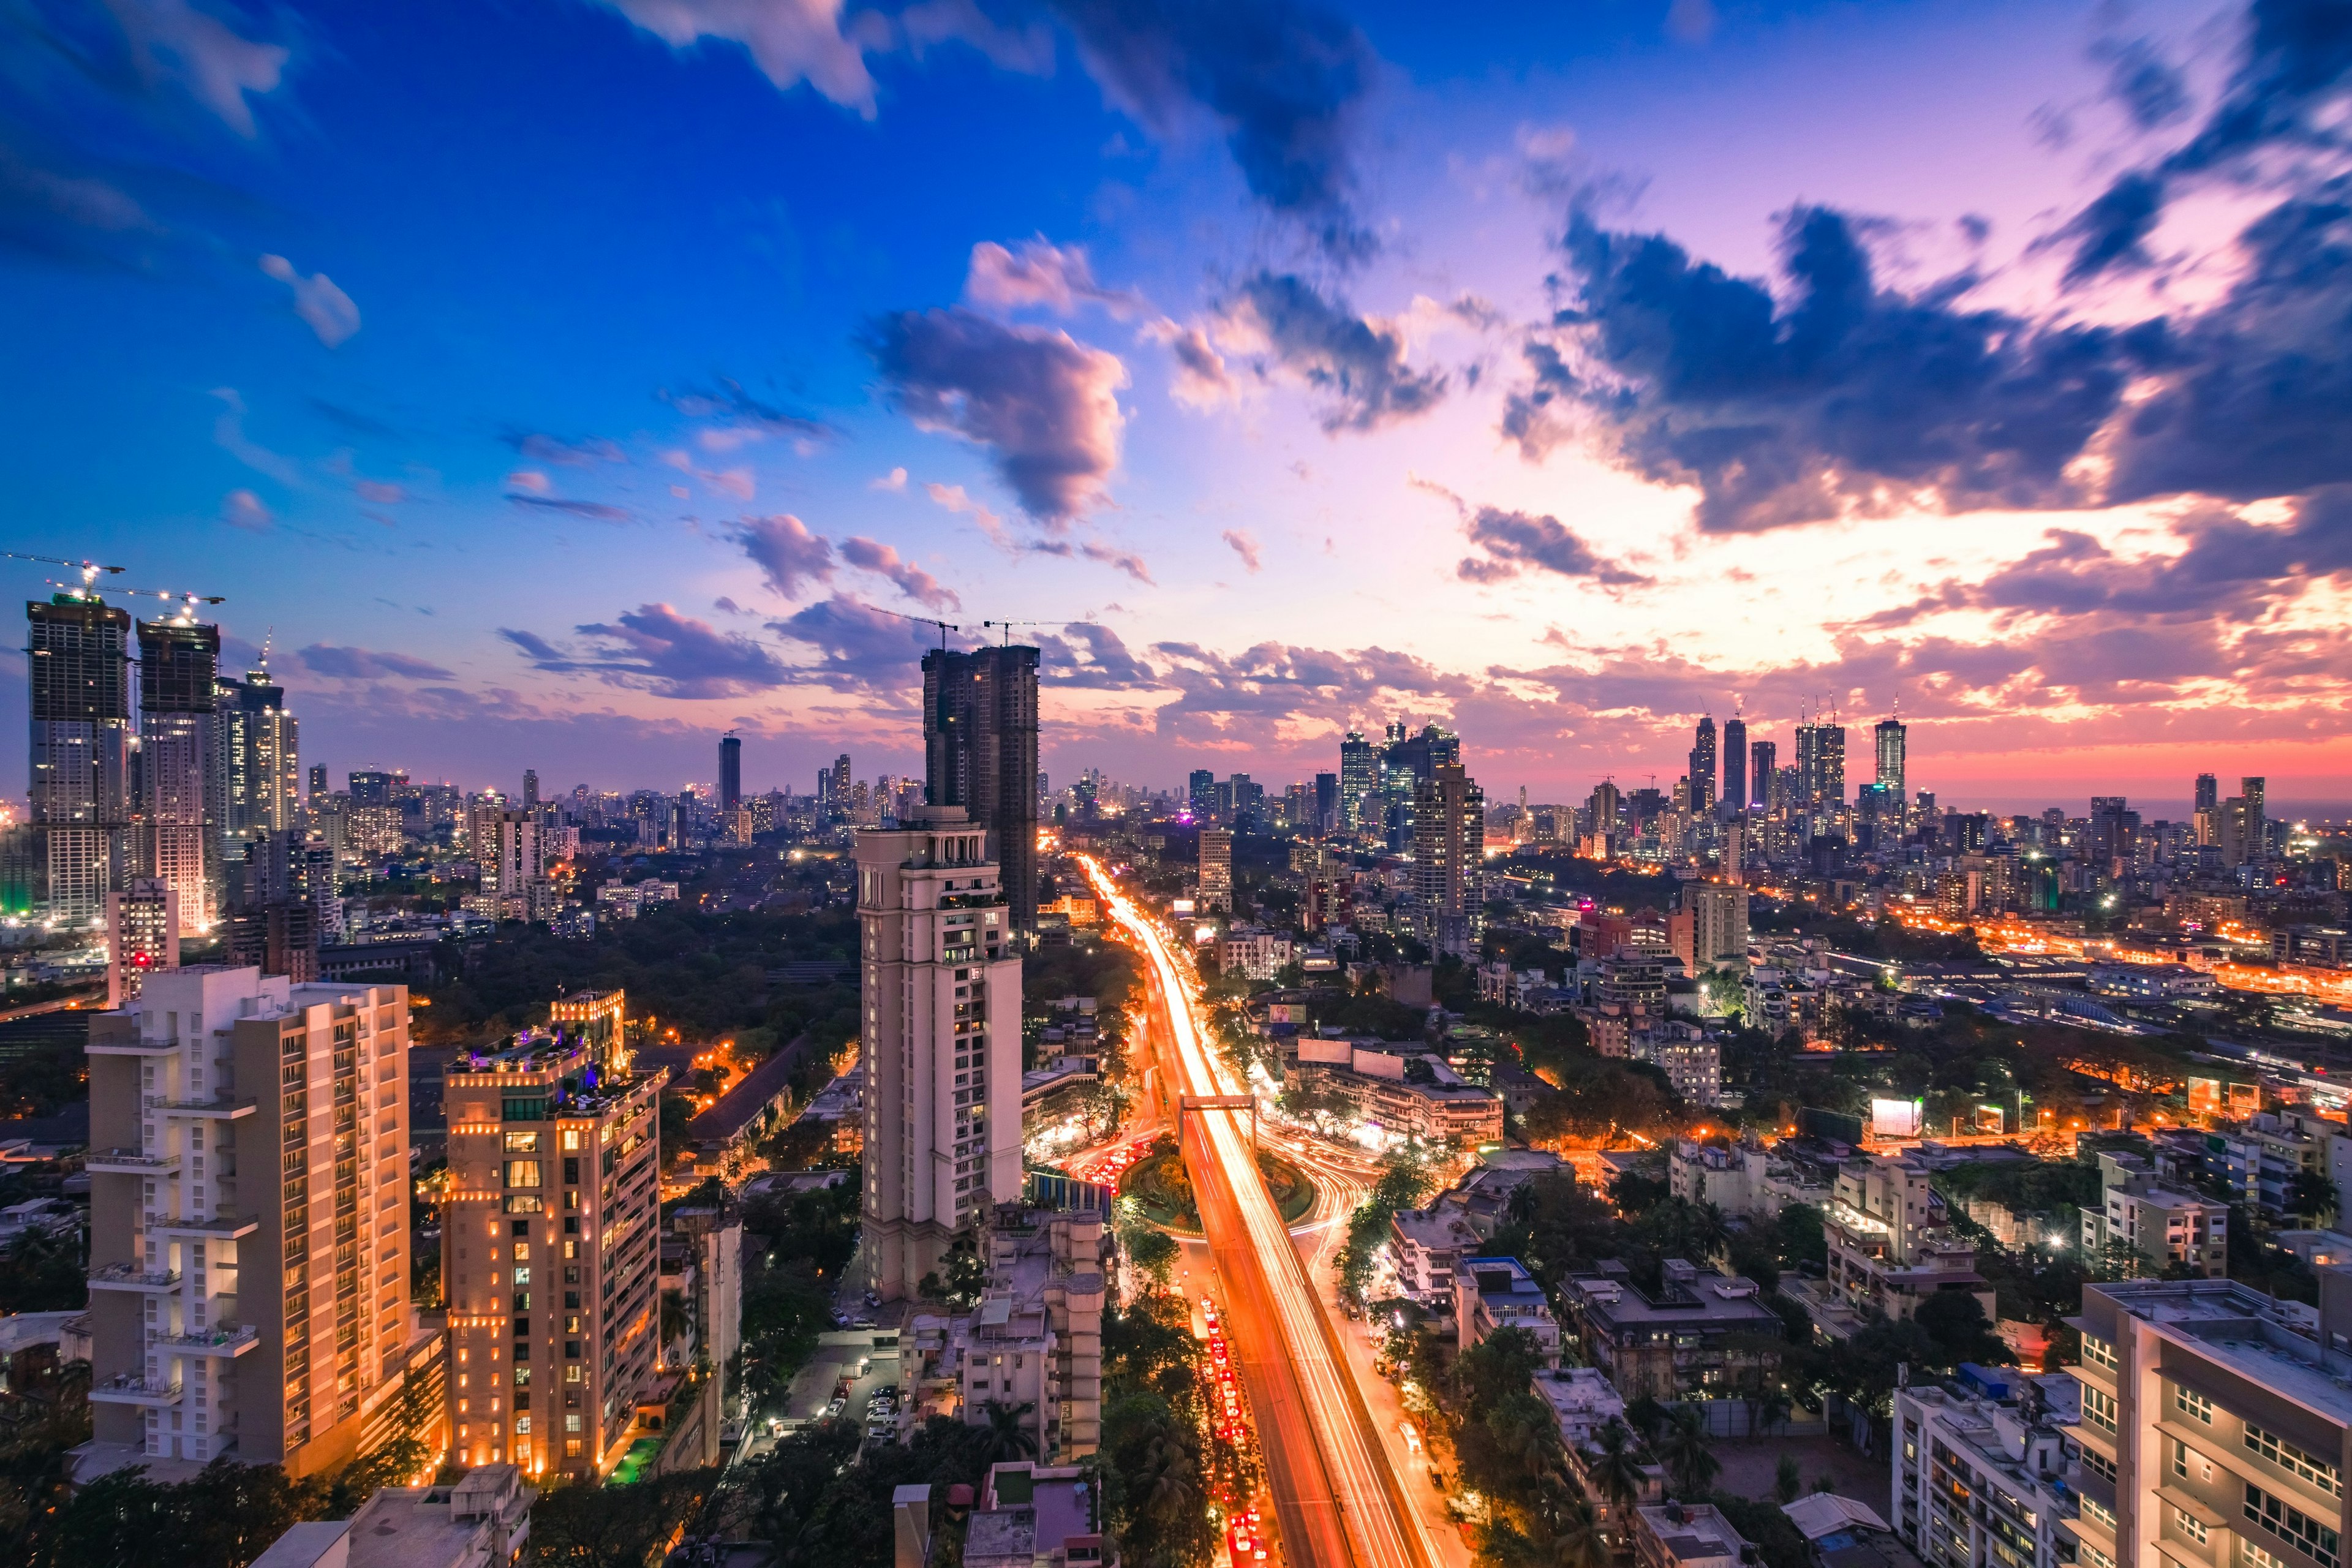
[142,936]
[2208,792]
[179,668]
[552,1249]
[1216,870]
[1200,793]
[1702,768]
[2114,827]
[1763,762]
[1449,859]
[318,790]
[1719,923]
[508,853]
[940,1042]
[2257,820]
[1735,764]
[2212,1409]
[979,751]
[248,1221]
[258,765]
[374,786]
[1327,802]
[1821,767]
[835,789]
[78,660]
[1892,738]
[530,789]
[730,773]
[1359,775]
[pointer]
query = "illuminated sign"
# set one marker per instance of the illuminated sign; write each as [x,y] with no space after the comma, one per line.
[1897,1118]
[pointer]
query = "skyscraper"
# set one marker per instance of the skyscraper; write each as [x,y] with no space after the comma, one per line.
[940,1042]
[2257,820]
[1327,802]
[1200,793]
[1702,767]
[1892,738]
[1821,767]
[178,669]
[551,1249]
[2208,791]
[730,773]
[258,764]
[530,788]
[1763,760]
[318,790]
[980,751]
[78,660]
[248,1221]
[1216,870]
[1449,857]
[1735,764]
[1359,775]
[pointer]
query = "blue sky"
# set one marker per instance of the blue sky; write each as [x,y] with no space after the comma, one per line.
[558,384]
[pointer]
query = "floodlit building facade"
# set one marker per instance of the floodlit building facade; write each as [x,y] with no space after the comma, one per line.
[248,1221]
[552,1251]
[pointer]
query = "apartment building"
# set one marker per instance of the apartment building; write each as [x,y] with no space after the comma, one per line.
[1494,1293]
[1697,1336]
[940,991]
[1983,1482]
[1747,1179]
[1383,1087]
[2215,1424]
[1889,1246]
[550,1250]
[248,1221]
[2166,1225]
[1688,1535]
[1034,1340]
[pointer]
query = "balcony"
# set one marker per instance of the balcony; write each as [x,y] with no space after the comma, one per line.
[228,1340]
[218,1227]
[129,1389]
[134,1048]
[133,1277]
[214,1110]
[131,1163]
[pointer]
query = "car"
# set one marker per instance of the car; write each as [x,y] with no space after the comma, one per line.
[833,1409]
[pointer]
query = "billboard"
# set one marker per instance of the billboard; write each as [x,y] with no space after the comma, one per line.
[1897,1118]
[1285,1013]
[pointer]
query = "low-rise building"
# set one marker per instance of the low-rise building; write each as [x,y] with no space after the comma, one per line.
[2167,1224]
[1257,954]
[1427,1244]
[1491,1293]
[1747,1179]
[1889,1246]
[1980,1483]
[1384,1086]
[481,1522]
[1688,1535]
[1034,1340]
[1035,1516]
[1698,1337]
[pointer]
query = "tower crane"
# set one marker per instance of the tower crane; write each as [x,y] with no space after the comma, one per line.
[1008,626]
[945,627]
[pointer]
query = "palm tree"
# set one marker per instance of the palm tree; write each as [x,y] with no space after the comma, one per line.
[1615,1469]
[1685,1453]
[1771,1411]
[1709,1232]
[1568,1535]
[1008,1435]
[1520,1208]
[1171,1489]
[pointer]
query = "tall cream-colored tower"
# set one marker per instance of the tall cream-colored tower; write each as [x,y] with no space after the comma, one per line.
[248,1220]
[941,1041]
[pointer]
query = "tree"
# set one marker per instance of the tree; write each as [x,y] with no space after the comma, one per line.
[1569,1533]
[1955,1320]
[1009,1436]
[2311,1195]
[1152,1251]
[1788,1480]
[1684,1451]
[1615,1468]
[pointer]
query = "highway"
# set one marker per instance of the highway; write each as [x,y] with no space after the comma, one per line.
[1338,1499]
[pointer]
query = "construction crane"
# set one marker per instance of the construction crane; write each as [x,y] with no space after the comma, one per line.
[1008,626]
[188,602]
[89,569]
[945,627]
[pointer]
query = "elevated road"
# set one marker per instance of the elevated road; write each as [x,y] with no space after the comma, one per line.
[1338,1500]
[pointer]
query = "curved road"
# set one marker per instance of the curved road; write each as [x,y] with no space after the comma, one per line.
[1339,1501]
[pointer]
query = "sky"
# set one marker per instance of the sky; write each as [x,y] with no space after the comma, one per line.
[561,384]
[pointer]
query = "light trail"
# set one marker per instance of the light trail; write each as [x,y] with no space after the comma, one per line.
[1357,1513]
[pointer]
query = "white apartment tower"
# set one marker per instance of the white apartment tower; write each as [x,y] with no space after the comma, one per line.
[942,1041]
[248,1221]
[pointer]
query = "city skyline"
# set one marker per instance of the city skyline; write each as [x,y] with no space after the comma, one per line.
[1289,434]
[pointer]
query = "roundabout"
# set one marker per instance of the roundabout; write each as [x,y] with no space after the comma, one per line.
[1162,1189]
